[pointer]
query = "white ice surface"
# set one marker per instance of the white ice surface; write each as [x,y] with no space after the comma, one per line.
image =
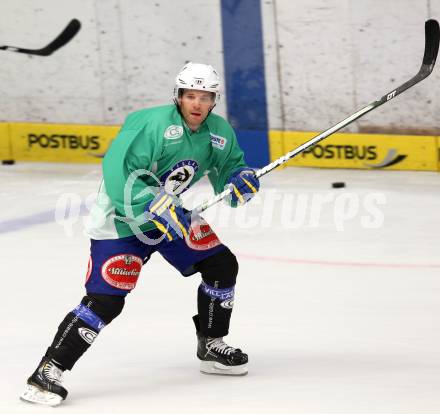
[343,322]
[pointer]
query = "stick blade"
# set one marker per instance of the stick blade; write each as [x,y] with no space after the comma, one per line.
[432,40]
[65,36]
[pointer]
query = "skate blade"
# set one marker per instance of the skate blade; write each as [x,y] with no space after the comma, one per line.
[212,367]
[34,395]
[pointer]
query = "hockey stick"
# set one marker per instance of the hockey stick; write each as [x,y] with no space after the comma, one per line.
[64,37]
[432,38]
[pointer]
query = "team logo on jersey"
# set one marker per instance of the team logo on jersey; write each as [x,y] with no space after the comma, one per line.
[122,271]
[173,132]
[218,142]
[87,334]
[178,179]
[201,236]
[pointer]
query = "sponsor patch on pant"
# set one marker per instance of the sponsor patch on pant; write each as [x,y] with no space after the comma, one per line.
[201,236]
[122,271]
[89,269]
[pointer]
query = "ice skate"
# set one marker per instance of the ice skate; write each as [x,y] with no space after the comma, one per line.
[44,385]
[217,357]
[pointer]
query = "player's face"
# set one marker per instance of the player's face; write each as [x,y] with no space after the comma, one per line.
[195,106]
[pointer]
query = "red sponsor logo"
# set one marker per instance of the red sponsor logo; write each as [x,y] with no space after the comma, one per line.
[201,236]
[122,271]
[89,269]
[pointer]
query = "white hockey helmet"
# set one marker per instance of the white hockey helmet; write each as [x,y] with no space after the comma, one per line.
[198,76]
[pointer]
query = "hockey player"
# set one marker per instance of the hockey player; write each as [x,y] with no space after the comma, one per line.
[158,154]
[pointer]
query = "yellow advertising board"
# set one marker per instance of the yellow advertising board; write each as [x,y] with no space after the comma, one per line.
[362,151]
[89,143]
[276,145]
[5,144]
[60,142]
[438,152]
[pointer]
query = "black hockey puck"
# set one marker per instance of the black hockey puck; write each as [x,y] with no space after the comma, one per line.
[339,184]
[8,162]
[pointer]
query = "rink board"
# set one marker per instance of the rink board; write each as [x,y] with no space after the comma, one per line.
[359,151]
[71,143]
[438,152]
[5,144]
[60,142]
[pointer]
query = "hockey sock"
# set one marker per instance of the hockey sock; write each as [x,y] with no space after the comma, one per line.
[80,327]
[215,297]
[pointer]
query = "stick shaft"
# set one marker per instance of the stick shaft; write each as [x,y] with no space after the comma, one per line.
[432,39]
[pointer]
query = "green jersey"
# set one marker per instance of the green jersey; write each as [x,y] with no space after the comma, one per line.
[155,147]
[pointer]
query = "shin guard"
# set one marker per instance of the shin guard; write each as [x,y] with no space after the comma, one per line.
[216,293]
[80,327]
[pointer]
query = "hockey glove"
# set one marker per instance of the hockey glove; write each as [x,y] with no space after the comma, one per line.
[244,186]
[164,211]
